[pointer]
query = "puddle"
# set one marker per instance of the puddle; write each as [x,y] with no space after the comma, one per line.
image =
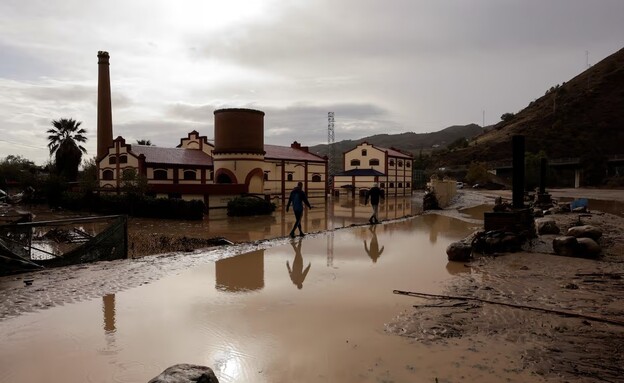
[476,212]
[310,310]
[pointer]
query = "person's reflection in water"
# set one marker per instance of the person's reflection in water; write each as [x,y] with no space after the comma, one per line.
[297,273]
[373,251]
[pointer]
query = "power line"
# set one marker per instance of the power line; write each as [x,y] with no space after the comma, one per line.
[24,145]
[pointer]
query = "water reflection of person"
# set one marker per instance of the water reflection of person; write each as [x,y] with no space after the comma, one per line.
[373,251]
[297,273]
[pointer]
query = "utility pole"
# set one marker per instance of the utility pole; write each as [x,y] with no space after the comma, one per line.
[331,151]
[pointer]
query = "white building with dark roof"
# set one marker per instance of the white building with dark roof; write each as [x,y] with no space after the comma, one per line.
[196,169]
[367,164]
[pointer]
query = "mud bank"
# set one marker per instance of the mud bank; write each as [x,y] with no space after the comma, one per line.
[551,347]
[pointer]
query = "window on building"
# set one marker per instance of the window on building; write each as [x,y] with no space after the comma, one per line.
[407,184]
[266,176]
[112,160]
[391,184]
[160,174]
[289,177]
[391,163]
[107,175]
[123,159]
[408,164]
[190,175]
[316,178]
[373,162]
[400,184]
[363,152]
[355,162]
[382,185]
[400,164]
[224,179]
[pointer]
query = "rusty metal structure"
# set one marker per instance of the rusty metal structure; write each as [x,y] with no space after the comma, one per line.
[27,246]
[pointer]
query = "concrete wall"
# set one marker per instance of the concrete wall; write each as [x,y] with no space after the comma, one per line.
[445,190]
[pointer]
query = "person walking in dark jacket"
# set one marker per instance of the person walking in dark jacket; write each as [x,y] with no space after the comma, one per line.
[297,198]
[374,194]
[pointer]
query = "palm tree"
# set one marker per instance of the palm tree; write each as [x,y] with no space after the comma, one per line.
[144,142]
[63,142]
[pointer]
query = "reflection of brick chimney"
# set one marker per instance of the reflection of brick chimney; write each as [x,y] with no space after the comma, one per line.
[104,112]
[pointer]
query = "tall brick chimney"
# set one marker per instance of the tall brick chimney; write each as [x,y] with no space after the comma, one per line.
[104,110]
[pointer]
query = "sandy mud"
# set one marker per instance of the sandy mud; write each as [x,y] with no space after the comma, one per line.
[552,346]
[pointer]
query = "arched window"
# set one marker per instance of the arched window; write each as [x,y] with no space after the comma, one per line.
[316,178]
[400,164]
[373,162]
[224,179]
[391,163]
[190,175]
[382,185]
[112,160]
[160,174]
[391,184]
[408,164]
[123,159]
[400,184]
[363,152]
[266,176]
[407,184]
[289,177]
[107,175]
[355,162]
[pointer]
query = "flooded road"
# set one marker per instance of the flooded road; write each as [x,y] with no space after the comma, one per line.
[312,309]
[325,215]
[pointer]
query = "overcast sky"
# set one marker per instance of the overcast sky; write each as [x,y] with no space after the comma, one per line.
[382,66]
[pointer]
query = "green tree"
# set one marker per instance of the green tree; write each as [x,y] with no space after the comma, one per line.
[477,173]
[17,169]
[459,143]
[507,117]
[88,177]
[64,142]
[144,142]
[133,183]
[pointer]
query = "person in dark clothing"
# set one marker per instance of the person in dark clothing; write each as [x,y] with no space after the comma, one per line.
[297,198]
[374,194]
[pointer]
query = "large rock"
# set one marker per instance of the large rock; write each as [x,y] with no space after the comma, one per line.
[547,226]
[588,248]
[566,246]
[585,231]
[459,252]
[186,373]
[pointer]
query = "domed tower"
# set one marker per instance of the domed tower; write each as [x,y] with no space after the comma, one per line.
[239,148]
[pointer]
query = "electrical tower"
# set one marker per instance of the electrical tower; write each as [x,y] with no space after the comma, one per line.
[331,151]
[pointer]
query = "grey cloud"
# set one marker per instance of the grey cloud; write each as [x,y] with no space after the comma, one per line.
[328,32]
[302,122]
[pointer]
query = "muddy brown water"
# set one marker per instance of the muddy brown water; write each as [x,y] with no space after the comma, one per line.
[312,309]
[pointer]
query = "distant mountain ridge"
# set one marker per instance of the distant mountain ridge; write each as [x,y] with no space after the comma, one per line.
[408,142]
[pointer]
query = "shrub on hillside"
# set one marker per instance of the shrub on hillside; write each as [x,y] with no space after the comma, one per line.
[245,206]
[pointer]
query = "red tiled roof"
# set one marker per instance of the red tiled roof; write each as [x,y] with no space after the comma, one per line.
[288,153]
[174,156]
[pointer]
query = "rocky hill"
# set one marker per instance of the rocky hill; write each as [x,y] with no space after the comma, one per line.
[583,117]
